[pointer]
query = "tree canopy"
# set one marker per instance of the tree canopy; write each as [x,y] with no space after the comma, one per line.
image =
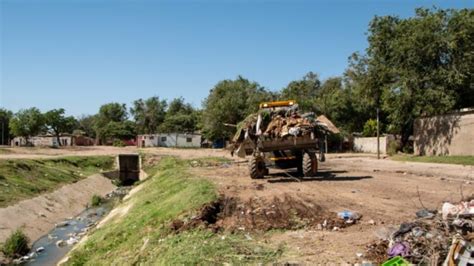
[27,123]
[230,101]
[148,114]
[58,123]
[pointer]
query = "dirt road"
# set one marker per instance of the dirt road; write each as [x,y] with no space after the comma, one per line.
[385,191]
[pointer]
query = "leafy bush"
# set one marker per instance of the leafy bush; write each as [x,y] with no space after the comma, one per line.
[392,148]
[118,143]
[16,244]
[370,128]
[96,200]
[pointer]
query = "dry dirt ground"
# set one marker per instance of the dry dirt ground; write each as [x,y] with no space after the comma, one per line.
[387,192]
[384,191]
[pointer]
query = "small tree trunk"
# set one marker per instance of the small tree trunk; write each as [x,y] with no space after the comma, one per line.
[58,139]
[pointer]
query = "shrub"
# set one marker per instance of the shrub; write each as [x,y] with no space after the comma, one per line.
[16,244]
[370,128]
[96,200]
[392,148]
[118,143]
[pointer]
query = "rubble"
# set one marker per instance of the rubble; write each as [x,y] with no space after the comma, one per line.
[433,238]
[280,124]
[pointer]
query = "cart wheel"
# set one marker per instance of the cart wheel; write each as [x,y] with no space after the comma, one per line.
[257,167]
[310,164]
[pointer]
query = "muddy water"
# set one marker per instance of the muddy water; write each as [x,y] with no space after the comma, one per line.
[75,229]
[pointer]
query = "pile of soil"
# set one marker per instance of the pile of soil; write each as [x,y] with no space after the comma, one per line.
[260,214]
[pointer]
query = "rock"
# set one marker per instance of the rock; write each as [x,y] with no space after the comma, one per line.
[336,228]
[39,249]
[60,243]
[371,222]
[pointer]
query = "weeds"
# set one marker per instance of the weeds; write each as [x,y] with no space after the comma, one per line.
[16,244]
[96,200]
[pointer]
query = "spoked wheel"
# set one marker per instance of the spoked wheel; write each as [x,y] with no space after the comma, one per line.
[257,167]
[309,164]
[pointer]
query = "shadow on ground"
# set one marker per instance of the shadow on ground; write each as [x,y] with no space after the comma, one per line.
[323,175]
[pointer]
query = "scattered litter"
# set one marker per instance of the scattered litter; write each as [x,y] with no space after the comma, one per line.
[425,214]
[40,249]
[428,239]
[348,216]
[396,261]
[60,243]
[399,249]
[463,208]
[62,224]
[71,241]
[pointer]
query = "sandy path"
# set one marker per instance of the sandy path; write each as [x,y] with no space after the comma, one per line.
[38,215]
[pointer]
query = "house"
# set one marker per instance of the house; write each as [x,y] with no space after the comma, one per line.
[181,140]
[52,141]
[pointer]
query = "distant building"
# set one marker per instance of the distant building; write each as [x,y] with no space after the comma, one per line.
[52,141]
[180,140]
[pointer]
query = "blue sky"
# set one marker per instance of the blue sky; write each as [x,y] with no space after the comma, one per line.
[79,54]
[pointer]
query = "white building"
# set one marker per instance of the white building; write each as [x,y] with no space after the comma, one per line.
[43,141]
[169,140]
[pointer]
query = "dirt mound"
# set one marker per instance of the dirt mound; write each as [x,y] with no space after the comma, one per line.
[260,214]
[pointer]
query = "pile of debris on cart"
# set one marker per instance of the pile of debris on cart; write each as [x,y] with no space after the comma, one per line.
[434,238]
[280,124]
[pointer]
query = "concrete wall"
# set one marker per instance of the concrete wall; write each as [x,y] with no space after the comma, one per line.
[451,134]
[369,144]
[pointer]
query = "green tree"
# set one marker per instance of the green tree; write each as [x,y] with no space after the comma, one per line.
[422,65]
[27,122]
[230,101]
[58,123]
[148,114]
[86,125]
[111,122]
[180,117]
[304,91]
[5,116]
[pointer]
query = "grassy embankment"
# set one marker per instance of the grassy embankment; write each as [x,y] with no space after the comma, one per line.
[26,178]
[464,160]
[142,235]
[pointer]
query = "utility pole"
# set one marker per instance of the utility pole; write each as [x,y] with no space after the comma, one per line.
[3,132]
[378,135]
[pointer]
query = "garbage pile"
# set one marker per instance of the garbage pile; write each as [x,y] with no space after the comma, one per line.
[281,123]
[434,238]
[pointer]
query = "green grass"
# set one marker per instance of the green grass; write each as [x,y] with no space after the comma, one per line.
[16,245]
[143,234]
[464,160]
[22,179]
